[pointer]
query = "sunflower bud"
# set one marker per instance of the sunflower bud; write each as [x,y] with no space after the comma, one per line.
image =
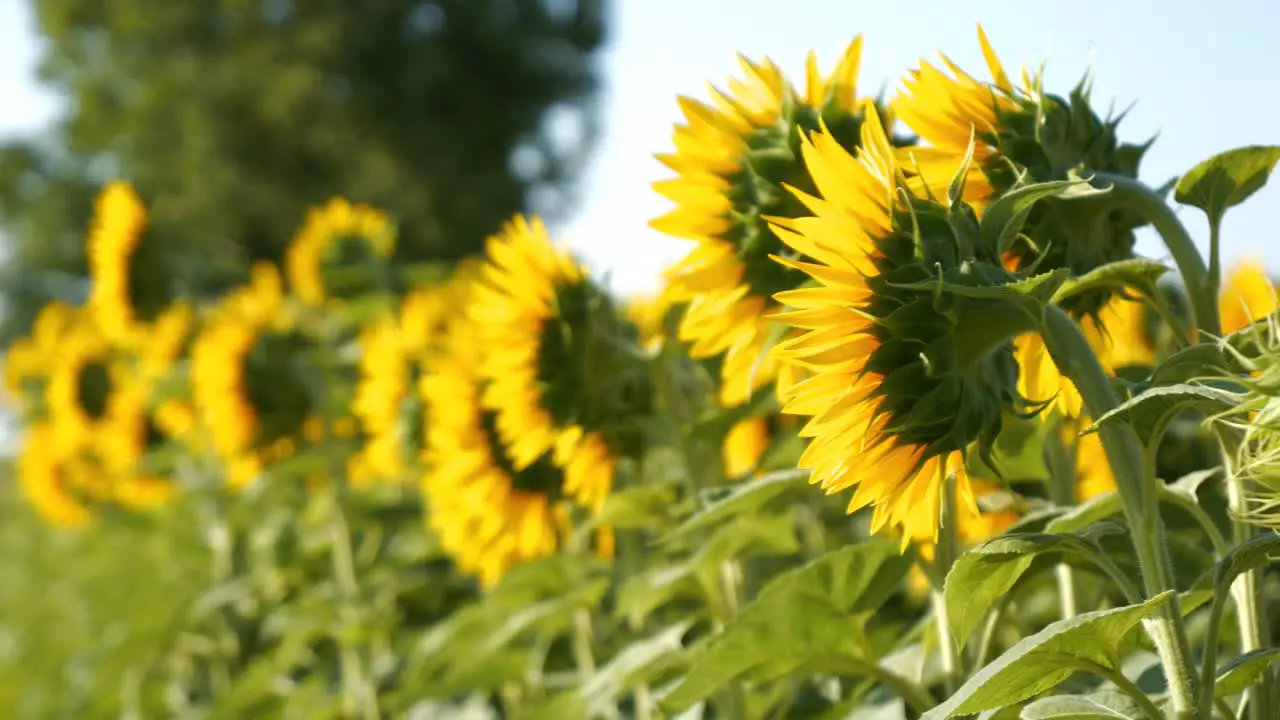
[1025,135]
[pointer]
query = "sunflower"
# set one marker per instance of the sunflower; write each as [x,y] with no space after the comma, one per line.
[1247,296]
[384,386]
[744,445]
[128,283]
[247,394]
[340,252]
[1093,470]
[82,396]
[1023,134]
[120,446]
[732,160]
[26,363]
[892,405]
[488,513]
[554,357]
[52,484]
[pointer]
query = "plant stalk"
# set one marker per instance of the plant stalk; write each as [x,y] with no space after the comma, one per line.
[1201,286]
[1245,589]
[944,557]
[1138,493]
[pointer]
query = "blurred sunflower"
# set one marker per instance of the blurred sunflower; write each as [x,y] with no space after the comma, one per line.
[27,361]
[1093,470]
[744,446]
[1023,134]
[1247,296]
[246,389]
[85,374]
[733,160]
[488,514]
[128,282]
[893,406]
[340,252]
[120,447]
[564,373]
[56,487]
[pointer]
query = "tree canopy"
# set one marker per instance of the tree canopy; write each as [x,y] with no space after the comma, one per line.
[232,117]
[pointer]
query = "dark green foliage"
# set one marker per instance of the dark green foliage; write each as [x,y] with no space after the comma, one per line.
[233,116]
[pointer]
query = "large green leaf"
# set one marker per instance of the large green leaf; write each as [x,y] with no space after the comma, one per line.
[988,571]
[634,664]
[1226,180]
[1080,707]
[747,497]
[1151,410]
[1138,274]
[1039,662]
[761,535]
[1241,671]
[1259,551]
[803,615]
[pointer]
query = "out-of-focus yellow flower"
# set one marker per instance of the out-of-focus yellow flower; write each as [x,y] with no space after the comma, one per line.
[733,160]
[247,396]
[28,361]
[744,445]
[338,251]
[1093,471]
[53,486]
[488,514]
[1247,296]
[532,304]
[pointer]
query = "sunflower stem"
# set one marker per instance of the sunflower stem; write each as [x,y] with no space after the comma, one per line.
[1244,590]
[1138,490]
[1200,282]
[1062,491]
[944,557]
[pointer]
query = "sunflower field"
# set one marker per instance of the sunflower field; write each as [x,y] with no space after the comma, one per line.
[910,432]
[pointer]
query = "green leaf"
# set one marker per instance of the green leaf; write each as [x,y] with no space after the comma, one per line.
[1252,554]
[1226,180]
[1090,512]
[636,508]
[634,664]
[1039,662]
[1241,671]
[1138,274]
[1102,704]
[743,498]
[803,615]
[1151,410]
[1072,707]
[988,571]
[1004,219]
[761,535]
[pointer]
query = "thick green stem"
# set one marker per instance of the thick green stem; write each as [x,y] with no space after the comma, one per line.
[1138,492]
[1201,285]
[1244,590]
[944,557]
[1062,491]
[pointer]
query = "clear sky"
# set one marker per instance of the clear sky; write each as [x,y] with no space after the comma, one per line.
[1197,71]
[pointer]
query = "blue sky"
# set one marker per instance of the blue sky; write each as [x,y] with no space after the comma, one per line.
[1196,71]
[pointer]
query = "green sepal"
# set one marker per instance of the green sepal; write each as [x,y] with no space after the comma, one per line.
[1004,220]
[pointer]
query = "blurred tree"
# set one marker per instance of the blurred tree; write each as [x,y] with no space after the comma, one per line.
[231,117]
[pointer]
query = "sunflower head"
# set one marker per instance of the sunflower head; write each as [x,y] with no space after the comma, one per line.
[127,266]
[341,252]
[83,395]
[1024,134]
[53,484]
[905,334]
[563,368]
[735,159]
[27,361]
[248,381]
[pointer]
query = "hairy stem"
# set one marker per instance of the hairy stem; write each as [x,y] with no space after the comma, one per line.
[944,557]
[1138,493]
